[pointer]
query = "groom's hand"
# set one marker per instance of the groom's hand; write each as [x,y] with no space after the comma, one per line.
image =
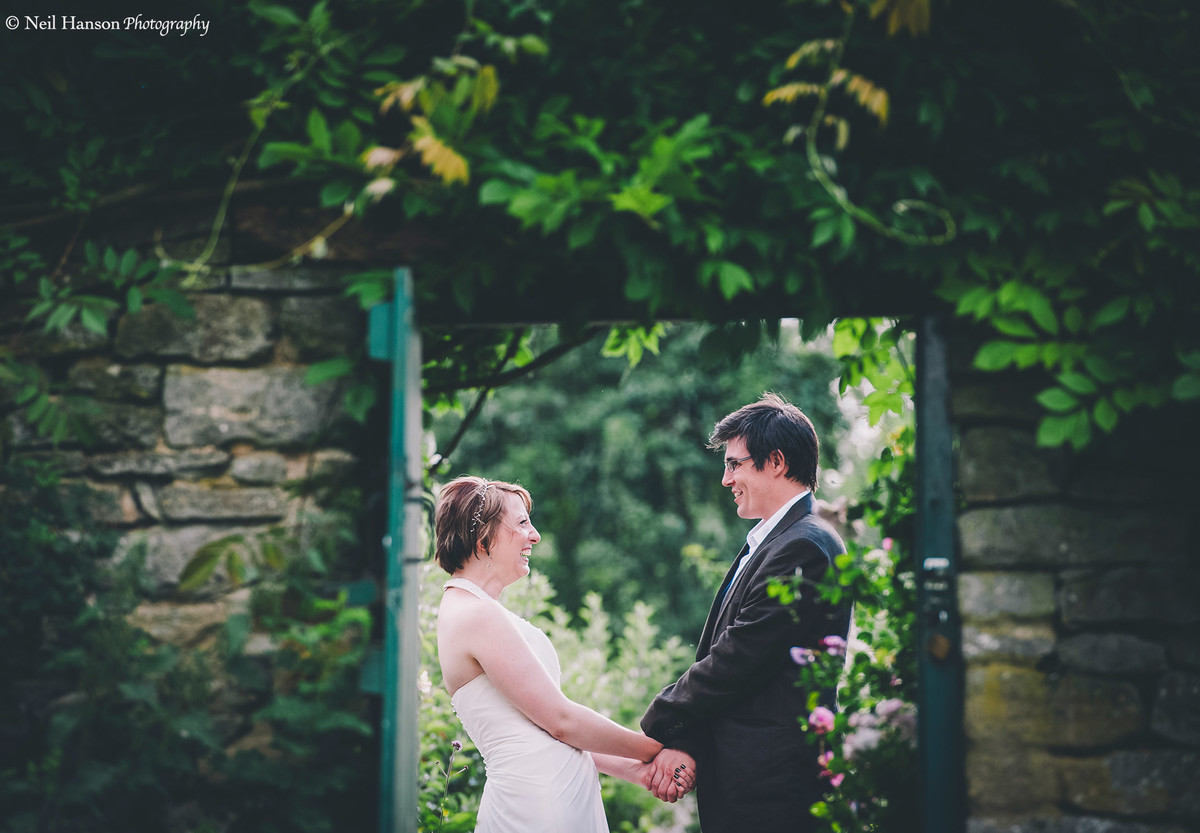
[672,775]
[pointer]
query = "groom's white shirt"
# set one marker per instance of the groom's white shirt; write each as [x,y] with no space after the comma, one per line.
[759,534]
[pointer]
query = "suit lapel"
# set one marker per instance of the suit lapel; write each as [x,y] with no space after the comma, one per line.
[726,594]
[710,624]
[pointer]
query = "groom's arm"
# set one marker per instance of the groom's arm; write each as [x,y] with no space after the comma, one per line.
[747,653]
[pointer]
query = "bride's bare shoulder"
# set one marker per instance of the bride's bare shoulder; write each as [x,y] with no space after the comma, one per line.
[461,608]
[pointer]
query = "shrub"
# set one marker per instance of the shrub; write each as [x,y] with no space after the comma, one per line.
[122,733]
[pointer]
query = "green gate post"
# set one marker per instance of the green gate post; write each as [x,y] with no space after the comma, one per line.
[939,655]
[393,337]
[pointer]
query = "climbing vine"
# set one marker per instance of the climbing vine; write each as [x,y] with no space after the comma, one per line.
[1030,170]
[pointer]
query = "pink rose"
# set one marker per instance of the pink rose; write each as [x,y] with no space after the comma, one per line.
[836,781]
[821,720]
[888,543]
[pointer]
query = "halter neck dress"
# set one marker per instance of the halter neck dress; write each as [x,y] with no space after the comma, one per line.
[535,784]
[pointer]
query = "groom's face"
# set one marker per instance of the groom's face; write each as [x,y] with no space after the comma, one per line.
[750,487]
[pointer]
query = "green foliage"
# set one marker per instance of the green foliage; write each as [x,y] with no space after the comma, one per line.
[637,178]
[122,731]
[87,298]
[615,675]
[868,754]
[51,565]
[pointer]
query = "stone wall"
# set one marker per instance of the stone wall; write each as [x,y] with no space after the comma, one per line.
[201,422]
[1079,591]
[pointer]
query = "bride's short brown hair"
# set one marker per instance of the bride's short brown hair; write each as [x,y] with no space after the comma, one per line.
[468,511]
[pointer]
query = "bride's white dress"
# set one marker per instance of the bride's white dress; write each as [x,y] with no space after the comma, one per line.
[535,784]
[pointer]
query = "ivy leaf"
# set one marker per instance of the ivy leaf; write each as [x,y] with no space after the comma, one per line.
[1073,319]
[1100,368]
[1105,415]
[496,191]
[1057,399]
[995,355]
[39,408]
[641,200]
[318,132]
[824,232]
[583,232]
[202,565]
[1125,399]
[1186,387]
[336,192]
[359,400]
[533,45]
[714,238]
[1043,313]
[1110,313]
[1078,383]
[733,279]
[347,138]
[1012,326]
[279,15]
[128,263]
[334,368]
[846,337]
[1145,216]
[1053,431]
[639,285]
[846,231]
[977,301]
[93,320]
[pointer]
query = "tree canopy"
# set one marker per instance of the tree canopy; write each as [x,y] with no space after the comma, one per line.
[1030,166]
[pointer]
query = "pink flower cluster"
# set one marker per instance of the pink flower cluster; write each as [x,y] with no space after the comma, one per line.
[821,720]
[868,728]
[833,645]
[835,779]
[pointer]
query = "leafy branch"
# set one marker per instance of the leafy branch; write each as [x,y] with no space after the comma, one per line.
[875,100]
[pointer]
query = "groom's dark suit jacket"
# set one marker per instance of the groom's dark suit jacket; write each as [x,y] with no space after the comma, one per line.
[735,709]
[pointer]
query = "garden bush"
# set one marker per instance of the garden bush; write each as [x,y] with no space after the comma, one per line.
[108,729]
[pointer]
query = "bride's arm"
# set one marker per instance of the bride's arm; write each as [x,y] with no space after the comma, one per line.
[486,634]
[627,769]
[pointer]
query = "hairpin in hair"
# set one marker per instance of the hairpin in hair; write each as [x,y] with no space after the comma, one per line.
[475,518]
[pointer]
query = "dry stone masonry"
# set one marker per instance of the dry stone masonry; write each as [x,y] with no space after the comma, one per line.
[1080,598]
[201,421]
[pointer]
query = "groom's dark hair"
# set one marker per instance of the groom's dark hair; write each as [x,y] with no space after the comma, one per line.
[773,424]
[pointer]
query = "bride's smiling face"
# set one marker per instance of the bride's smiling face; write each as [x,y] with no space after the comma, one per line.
[513,541]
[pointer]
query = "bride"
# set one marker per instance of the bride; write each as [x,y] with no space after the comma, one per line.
[541,750]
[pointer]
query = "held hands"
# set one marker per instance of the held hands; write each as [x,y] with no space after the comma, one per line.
[672,775]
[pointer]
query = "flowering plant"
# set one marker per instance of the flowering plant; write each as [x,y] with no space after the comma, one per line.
[867,748]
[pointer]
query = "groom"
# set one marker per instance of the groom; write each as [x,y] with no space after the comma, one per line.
[732,717]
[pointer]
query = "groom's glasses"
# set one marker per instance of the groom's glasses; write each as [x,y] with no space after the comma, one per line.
[731,464]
